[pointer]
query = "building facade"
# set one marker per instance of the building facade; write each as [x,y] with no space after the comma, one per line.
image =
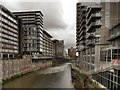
[72,53]
[58,49]
[9,41]
[110,76]
[36,41]
[47,45]
[112,53]
[32,31]
[93,23]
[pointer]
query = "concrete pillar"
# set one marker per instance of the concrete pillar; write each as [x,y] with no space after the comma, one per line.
[97,55]
[111,55]
[8,56]
[13,56]
[1,55]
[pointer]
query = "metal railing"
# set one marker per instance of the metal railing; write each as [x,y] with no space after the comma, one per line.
[104,66]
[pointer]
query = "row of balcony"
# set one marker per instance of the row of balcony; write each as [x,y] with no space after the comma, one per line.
[79,34]
[82,38]
[92,27]
[82,33]
[93,9]
[79,31]
[90,35]
[90,42]
[80,48]
[83,22]
[83,27]
[80,41]
[94,17]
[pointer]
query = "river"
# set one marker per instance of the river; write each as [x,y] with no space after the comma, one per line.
[53,77]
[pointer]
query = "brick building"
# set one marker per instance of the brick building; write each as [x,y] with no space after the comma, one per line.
[72,53]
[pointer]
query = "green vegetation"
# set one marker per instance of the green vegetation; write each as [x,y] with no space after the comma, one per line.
[13,77]
[81,80]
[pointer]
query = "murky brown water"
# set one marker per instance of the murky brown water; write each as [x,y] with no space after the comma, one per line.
[55,77]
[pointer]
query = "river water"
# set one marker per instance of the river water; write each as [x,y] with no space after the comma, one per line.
[54,77]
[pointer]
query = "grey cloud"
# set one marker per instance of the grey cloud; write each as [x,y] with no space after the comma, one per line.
[68,35]
[53,12]
[53,19]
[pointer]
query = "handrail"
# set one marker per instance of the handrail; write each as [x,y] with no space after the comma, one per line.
[103,67]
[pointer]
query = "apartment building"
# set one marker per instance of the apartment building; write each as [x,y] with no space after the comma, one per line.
[47,45]
[93,23]
[72,53]
[112,53]
[110,76]
[32,31]
[58,49]
[9,44]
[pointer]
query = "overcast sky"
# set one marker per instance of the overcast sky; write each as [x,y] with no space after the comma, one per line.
[59,16]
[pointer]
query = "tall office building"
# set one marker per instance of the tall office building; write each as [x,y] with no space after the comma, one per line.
[32,31]
[9,44]
[93,23]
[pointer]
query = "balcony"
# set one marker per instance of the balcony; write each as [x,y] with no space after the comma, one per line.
[78,32]
[114,36]
[78,41]
[80,48]
[82,27]
[93,17]
[90,42]
[83,22]
[83,42]
[78,37]
[90,35]
[93,9]
[77,44]
[83,16]
[93,26]
[82,38]
[82,32]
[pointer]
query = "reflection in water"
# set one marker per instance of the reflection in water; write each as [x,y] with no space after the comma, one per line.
[55,77]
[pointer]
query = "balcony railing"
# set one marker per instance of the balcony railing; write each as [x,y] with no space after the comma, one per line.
[90,42]
[94,25]
[80,47]
[93,17]
[105,67]
[82,32]
[90,35]
[93,9]
[82,42]
[82,27]
[82,37]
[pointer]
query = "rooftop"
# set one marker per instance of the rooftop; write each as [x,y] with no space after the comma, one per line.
[47,34]
[29,12]
[7,11]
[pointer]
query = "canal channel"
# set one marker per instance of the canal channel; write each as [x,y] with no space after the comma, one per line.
[53,77]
